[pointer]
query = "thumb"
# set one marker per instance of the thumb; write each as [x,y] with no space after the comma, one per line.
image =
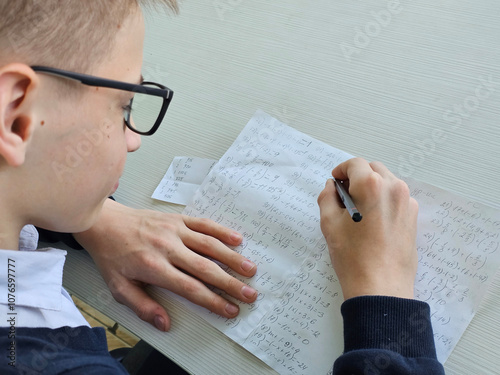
[144,306]
[329,202]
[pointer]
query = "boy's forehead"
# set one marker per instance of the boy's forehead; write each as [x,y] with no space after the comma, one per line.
[124,61]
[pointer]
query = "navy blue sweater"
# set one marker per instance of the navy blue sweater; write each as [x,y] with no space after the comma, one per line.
[68,351]
[382,336]
[387,336]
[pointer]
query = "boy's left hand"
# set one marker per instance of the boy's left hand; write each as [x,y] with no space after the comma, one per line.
[133,248]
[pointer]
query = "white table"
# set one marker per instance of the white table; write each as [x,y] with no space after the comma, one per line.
[413,84]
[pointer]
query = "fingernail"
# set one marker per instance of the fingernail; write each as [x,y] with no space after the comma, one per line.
[247,266]
[160,323]
[236,237]
[248,292]
[231,309]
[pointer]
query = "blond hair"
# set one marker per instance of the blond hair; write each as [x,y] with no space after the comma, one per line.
[67,34]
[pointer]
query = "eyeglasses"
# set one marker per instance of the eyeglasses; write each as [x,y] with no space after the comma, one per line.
[148,106]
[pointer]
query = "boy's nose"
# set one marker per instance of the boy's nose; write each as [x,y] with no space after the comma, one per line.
[133,140]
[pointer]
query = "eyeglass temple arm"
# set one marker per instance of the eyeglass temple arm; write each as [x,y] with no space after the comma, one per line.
[102,82]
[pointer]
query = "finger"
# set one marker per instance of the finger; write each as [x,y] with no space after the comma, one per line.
[353,169]
[330,205]
[329,195]
[210,273]
[211,228]
[142,304]
[198,293]
[413,211]
[213,248]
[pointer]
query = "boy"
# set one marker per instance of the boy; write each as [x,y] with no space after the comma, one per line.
[45,114]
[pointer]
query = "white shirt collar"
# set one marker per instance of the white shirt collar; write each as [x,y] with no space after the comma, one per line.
[40,299]
[38,277]
[37,273]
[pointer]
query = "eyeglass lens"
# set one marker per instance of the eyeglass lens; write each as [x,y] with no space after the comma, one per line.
[144,110]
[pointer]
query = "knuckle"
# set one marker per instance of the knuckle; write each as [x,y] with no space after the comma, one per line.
[118,289]
[208,243]
[142,312]
[376,164]
[214,304]
[203,266]
[157,242]
[205,223]
[414,205]
[373,182]
[356,160]
[148,261]
[401,190]
[189,287]
[233,284]
[414,202]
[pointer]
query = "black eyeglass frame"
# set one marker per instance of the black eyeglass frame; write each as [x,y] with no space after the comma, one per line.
[163,91]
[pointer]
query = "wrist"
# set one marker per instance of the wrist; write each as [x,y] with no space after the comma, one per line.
[399,288]
[101,227]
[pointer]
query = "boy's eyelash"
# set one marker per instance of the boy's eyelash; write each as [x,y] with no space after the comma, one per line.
[127,107]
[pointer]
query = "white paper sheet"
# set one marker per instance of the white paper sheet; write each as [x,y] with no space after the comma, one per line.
[182,179]
[266,186]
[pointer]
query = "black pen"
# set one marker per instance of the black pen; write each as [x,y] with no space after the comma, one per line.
[347,200]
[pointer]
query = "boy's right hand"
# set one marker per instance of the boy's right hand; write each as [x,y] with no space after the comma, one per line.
[376,256]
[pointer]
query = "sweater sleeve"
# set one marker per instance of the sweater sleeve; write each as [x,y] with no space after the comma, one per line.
[387,335]
[53,237]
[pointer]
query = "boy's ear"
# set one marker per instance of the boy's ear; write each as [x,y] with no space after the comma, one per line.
[18,86]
